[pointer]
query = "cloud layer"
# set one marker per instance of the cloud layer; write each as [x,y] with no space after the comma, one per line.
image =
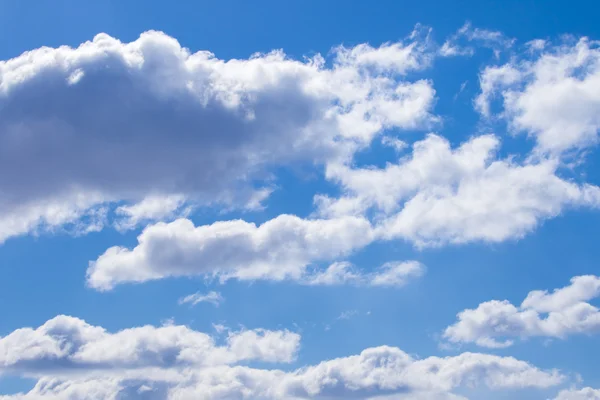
[67,345]
[72,358]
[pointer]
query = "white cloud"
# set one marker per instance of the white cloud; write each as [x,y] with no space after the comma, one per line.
[393,273]
[135,122]
[378,372]
[70,345]
[563,312]
[393,142]
[212,297]
[461,43]
[56,389]
[581,394]
[552,94]
[439,195]
[278,249]
[152,208]
[347,314]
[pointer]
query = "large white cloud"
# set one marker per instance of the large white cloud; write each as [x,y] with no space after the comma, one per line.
[438,195]
[278,249]
[550,92]
[108,367]
[70,345]
[563,312]
[110,121]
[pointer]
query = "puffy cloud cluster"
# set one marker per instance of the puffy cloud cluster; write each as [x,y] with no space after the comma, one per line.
[563,312]
[279,249]
[438,195]
[73,360]
[550,92]
[67,345]
[136,122]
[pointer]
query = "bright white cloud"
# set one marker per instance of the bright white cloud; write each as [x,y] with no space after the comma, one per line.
[212,297]
[67,344]
[439,195]
[581,394]
[552,94]
[278,249]
[563,312]
[150,123]
[375,372]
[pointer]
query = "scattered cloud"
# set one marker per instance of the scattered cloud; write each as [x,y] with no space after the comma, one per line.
[563,312]
[392,274]
[438,195]
[379,371]
[212,297]
[551,95]
[347,315]
[467,39]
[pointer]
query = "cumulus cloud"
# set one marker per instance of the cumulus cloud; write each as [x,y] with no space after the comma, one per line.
[378,372]
[581,394]
[278,249]
[68,345]
[151,123]
[212,297]
[563,312]
[438,195]
[551,94]
[435,195]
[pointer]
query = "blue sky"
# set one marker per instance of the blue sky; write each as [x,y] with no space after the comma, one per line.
[340,200]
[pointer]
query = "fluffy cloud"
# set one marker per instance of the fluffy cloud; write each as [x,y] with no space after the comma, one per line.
[278,249]
[551,93]
[438,195]
[111,122]
[283,248]
[582,394]
[70,345]
[563,312]
[434,196]
[377,372]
